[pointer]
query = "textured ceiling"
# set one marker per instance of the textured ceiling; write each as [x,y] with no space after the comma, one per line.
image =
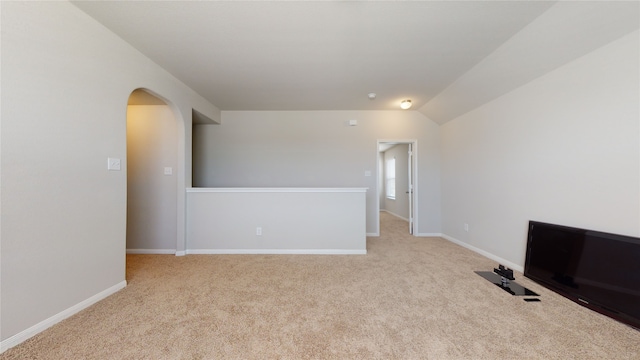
[318,55]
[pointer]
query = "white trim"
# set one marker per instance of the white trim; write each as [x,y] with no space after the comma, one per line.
[152,251]
[486,254]
[45,324]
[429,235]
[181,253]
[275,251]
[276,190]
[373,234]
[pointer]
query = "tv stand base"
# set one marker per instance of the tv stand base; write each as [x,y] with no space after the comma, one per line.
[511,287]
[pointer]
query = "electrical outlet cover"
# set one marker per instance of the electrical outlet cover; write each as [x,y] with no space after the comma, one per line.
[113,164]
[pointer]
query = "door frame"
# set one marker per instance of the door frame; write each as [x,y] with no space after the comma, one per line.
[413,169]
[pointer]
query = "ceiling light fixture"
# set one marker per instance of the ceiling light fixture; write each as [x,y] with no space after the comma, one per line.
[372,96]
[405,104]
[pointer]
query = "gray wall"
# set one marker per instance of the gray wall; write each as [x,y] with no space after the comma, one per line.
[563,149]
[151,194]
[319,149]
[65,85]
[290,221]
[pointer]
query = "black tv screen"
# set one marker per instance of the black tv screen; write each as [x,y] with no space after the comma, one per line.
[595,269]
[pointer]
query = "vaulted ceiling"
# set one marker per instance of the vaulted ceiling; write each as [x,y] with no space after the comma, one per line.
[446,56]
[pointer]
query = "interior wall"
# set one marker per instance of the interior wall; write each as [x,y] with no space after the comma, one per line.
[276,221]
[319,149]
[400,205]
[66,80]
[151,193]
[199,157]
[563,149]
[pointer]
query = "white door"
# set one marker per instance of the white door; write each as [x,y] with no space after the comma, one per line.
[410,187]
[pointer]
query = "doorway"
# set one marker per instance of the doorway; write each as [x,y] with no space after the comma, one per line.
[397,181]
[152,164]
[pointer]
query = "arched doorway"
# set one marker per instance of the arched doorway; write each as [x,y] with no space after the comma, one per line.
[152,175]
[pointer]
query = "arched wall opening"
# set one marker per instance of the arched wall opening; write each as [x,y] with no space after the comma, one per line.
[153,175]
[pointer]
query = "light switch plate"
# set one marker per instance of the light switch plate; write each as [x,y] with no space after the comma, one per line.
[168,170]
[113,164]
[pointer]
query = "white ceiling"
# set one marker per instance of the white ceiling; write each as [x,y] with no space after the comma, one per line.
[320,55]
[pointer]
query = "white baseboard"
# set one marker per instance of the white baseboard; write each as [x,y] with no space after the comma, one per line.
[428,235]
[486,254]
[152,251]
[373,234]
[45,324]
[181,253]
[276,251]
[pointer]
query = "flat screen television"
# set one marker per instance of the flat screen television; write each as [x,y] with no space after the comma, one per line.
[595,269]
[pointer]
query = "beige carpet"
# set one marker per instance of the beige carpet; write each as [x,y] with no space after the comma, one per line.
[409,298]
